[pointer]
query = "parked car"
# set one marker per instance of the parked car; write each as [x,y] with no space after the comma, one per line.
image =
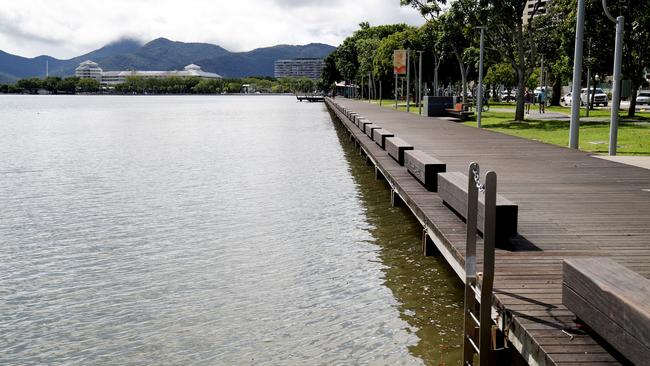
[643,97]
[600,98]
[509,97]
[565,100]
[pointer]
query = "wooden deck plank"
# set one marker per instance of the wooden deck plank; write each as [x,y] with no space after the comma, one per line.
[570,205]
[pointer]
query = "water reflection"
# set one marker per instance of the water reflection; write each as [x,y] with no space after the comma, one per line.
[430,295]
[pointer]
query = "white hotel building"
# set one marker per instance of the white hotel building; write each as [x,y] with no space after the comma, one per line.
[91,70]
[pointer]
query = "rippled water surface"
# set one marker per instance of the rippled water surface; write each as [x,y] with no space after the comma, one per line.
[208,231]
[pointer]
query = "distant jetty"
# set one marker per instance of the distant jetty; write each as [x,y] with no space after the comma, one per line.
[310,98]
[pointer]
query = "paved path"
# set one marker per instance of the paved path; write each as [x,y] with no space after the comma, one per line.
[639,161]
[570,204]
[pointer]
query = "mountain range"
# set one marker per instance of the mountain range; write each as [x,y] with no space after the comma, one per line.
[162,54]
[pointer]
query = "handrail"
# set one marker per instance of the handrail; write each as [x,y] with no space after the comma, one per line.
[489,188]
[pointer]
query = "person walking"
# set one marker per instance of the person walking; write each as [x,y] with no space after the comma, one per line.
[528,99]
[542,100]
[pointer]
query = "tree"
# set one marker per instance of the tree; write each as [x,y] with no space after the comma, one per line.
[432,38]
[556,41]
[366,49]
[233,87]
[88,85]
[428,8]
[346,59]
[636,51]
[515,41]
[458,33]
[208,86]
[501,74]
[330,74]
[30,85]
[383,62]
[68,85]
[51,84]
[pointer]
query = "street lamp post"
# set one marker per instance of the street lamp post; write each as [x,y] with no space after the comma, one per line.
[574,129]
[479,103]
[616,92]
[588,79]
[420,82]
[408,79]
[396,90]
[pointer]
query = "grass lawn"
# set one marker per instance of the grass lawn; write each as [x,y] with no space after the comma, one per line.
[633,138]
[643,115]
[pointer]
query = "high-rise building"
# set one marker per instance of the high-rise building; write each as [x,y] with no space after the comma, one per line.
[299,67]
[530,7]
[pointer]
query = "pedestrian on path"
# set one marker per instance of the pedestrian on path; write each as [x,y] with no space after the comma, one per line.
[542,100]
[528,99]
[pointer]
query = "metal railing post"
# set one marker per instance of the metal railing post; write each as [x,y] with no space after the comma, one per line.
[469,348]
[482,322]
[487,282]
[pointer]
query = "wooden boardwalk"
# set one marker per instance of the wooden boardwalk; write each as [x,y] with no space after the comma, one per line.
[570,205]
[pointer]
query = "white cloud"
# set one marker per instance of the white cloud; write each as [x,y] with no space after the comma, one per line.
[67,28]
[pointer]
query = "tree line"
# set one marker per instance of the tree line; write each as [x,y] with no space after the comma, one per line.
[168,85]
[514,46]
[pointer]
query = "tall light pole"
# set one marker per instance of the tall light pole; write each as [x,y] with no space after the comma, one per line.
[588,78]
[574,129]
[480,80]
[541,73]
[396,90]
[616,93]
[408,79]
[420,83]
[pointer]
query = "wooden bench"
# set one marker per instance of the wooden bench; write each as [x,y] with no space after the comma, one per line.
[612,300]
[380,135]
[459,112]
[361,121]
[363,124]
[396,147]
[368,128]
[452,188]
[424,168]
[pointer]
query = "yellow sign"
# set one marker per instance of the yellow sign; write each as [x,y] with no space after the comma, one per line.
[399,62]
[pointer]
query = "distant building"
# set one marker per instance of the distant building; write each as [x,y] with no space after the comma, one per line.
[299,67]
[89,69]
[530,7]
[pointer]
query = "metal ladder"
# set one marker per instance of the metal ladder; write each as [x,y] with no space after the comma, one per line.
[477,334]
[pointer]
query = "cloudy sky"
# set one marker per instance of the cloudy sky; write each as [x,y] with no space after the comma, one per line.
[68,28]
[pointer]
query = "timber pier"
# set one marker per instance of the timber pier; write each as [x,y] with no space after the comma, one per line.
[566,235]
[310,98]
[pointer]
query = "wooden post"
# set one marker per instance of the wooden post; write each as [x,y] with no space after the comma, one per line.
[395,199]
[428,246]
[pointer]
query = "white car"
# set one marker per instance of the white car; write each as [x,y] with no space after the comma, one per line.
[600,98]
[509,97]
[643,97]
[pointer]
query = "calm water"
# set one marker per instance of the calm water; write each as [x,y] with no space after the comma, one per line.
[207,231]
